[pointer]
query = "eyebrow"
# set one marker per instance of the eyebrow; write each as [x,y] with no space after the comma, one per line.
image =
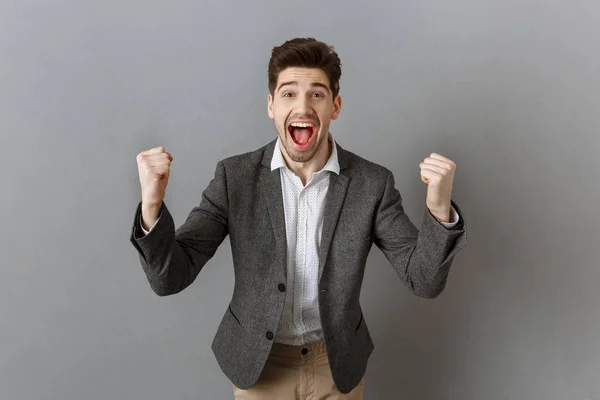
[315,84]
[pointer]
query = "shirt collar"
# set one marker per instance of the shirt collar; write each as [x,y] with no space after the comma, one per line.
[332,164]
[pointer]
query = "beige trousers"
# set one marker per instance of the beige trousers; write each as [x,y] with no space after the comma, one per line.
[297,372]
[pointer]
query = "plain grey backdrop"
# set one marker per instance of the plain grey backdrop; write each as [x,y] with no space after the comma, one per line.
[507,89]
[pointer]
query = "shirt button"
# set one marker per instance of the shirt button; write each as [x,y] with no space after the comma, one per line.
[270,335]
[281,287]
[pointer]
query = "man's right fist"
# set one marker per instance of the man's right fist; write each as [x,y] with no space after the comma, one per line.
[154,168]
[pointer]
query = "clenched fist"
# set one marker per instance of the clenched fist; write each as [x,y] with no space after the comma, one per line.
[438,173]
[154,167]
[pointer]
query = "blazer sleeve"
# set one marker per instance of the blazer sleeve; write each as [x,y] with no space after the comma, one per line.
[171,259]
[421,259]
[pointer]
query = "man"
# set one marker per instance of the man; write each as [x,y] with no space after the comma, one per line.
[302,214]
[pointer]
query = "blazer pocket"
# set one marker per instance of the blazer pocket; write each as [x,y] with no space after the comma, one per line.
[359,323]
[233,315]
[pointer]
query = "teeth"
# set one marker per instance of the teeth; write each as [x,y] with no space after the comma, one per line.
[302,124]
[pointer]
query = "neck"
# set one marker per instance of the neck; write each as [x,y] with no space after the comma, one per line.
[305,170]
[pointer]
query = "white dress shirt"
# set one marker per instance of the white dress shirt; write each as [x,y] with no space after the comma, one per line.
[304,208]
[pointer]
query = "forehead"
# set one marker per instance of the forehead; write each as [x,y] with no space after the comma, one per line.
[304,76]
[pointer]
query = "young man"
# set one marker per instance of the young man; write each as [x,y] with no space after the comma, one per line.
[302,214]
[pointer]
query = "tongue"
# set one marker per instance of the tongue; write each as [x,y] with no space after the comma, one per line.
[301,135]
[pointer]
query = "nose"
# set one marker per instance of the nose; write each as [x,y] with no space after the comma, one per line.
[303,106]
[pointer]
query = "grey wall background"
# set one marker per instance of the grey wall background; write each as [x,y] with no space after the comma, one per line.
[507,89]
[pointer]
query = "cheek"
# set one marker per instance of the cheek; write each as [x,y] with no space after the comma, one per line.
[279,120]
[325,114]
[280,116]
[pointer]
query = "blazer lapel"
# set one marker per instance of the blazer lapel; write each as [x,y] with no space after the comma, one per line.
[334,200]
[270,183]
[270,186]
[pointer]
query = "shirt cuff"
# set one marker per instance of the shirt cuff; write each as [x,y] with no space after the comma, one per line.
[142,225]
[455,218]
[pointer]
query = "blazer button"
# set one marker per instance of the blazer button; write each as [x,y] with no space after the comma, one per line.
[281,287]
[270,335]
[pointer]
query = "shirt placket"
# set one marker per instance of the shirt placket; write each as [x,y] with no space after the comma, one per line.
[301,233]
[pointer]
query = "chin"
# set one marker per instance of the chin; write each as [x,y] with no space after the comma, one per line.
[306,154]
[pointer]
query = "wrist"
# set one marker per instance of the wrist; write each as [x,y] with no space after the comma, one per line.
[150,214]
[151,205]
[442,215]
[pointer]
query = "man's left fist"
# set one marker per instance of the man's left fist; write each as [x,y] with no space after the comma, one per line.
[438,173]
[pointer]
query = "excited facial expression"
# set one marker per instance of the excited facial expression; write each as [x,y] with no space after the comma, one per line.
[302,106]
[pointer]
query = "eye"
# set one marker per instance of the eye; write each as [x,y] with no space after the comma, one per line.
[287,94]
[318,94]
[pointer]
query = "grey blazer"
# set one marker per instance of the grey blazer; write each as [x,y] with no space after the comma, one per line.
[244,200]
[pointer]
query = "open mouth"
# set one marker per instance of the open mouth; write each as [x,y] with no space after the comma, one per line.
[302,133]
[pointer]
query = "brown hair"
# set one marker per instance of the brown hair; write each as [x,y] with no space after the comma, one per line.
[309,53]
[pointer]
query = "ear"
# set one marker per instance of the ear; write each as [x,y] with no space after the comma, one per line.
[270,106]
[337,107]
